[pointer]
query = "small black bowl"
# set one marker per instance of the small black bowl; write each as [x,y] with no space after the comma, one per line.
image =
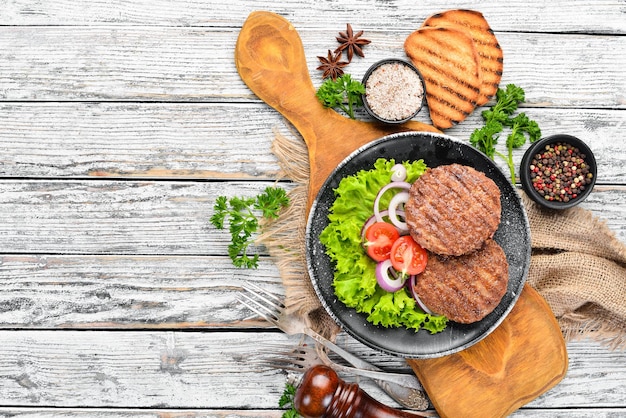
[396,100]
[527,177]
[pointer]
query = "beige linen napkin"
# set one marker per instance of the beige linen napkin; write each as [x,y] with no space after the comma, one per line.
[577,263]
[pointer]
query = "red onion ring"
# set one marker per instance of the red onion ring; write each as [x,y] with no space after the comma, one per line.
[384,278]
[421,304]
[393,185]
[395,202]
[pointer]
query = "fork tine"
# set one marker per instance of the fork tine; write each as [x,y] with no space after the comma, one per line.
[277,300]
[258,307]
[278,363]
[278,350]
[292,355]
[286,361]
[270,298]
[292,367]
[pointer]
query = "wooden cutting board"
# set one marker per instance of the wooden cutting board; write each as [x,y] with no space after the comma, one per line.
[525,356]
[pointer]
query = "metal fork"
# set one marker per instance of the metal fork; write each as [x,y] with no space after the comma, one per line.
[301,357]
[404,388]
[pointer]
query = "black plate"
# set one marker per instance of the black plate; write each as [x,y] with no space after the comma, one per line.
[513,235]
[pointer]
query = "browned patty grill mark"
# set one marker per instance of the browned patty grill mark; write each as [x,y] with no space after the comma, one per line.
[453,209]
[467,288]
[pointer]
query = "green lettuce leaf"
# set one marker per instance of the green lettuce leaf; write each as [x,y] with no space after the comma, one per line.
[355,273]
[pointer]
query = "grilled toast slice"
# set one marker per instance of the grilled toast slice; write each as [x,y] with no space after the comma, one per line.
[448,60]
[491,57]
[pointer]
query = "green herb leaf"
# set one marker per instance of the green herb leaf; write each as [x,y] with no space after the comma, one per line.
[507,101]
[243,221]
[221,210]
[336,93]
[486,138]
[271,201]
[287,401]
[500,115]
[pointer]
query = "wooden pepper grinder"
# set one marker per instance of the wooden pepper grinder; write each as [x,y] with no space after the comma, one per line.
[322,394]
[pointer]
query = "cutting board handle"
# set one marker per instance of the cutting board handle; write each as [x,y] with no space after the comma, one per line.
[270,59]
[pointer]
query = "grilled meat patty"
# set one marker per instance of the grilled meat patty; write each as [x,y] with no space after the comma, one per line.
[453,209]
[467,288]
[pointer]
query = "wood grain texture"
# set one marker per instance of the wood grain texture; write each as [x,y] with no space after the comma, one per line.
[121,122]
[118,217]
[192,64]
[195,141]
[266,413]
[170,369]
[126,292]
[166,369]
[150,217]
[535,15]
[123,140]
[142,413]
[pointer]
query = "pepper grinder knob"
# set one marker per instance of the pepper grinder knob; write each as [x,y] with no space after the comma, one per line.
[322,394]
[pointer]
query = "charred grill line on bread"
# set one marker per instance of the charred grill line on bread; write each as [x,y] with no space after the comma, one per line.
[434,53]
[448,61]
[431,52]
[490,53]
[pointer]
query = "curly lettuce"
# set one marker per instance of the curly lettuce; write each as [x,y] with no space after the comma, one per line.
[355,273]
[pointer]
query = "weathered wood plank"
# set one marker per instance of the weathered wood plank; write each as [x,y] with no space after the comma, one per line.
[592,366]
[212,141]
[154,370]
[115,217]
[199,141]
[129,217]
[127,292]
[537,15]
[265,413]
[210,370]
[196,64]
[141,413]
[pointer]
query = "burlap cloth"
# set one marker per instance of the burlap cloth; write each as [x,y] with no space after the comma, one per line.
[577,263]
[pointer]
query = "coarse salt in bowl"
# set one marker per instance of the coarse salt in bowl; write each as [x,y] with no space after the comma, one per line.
[394,91]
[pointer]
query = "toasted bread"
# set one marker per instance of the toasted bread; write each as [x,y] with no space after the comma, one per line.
[449,63]
[491,60]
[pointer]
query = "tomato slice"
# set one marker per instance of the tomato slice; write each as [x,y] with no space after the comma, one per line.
[407,256]
[379,239]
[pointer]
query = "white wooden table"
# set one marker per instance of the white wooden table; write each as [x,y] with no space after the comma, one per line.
[121,122]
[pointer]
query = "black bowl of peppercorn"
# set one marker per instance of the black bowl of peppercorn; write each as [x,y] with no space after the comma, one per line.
[558,171]
[394,91]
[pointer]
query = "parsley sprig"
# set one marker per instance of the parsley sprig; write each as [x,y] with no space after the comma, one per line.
[499,116]
[286,401]
[243,222]
[336,93]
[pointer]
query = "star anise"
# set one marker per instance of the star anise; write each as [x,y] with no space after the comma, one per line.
[332,66]
[351,42]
